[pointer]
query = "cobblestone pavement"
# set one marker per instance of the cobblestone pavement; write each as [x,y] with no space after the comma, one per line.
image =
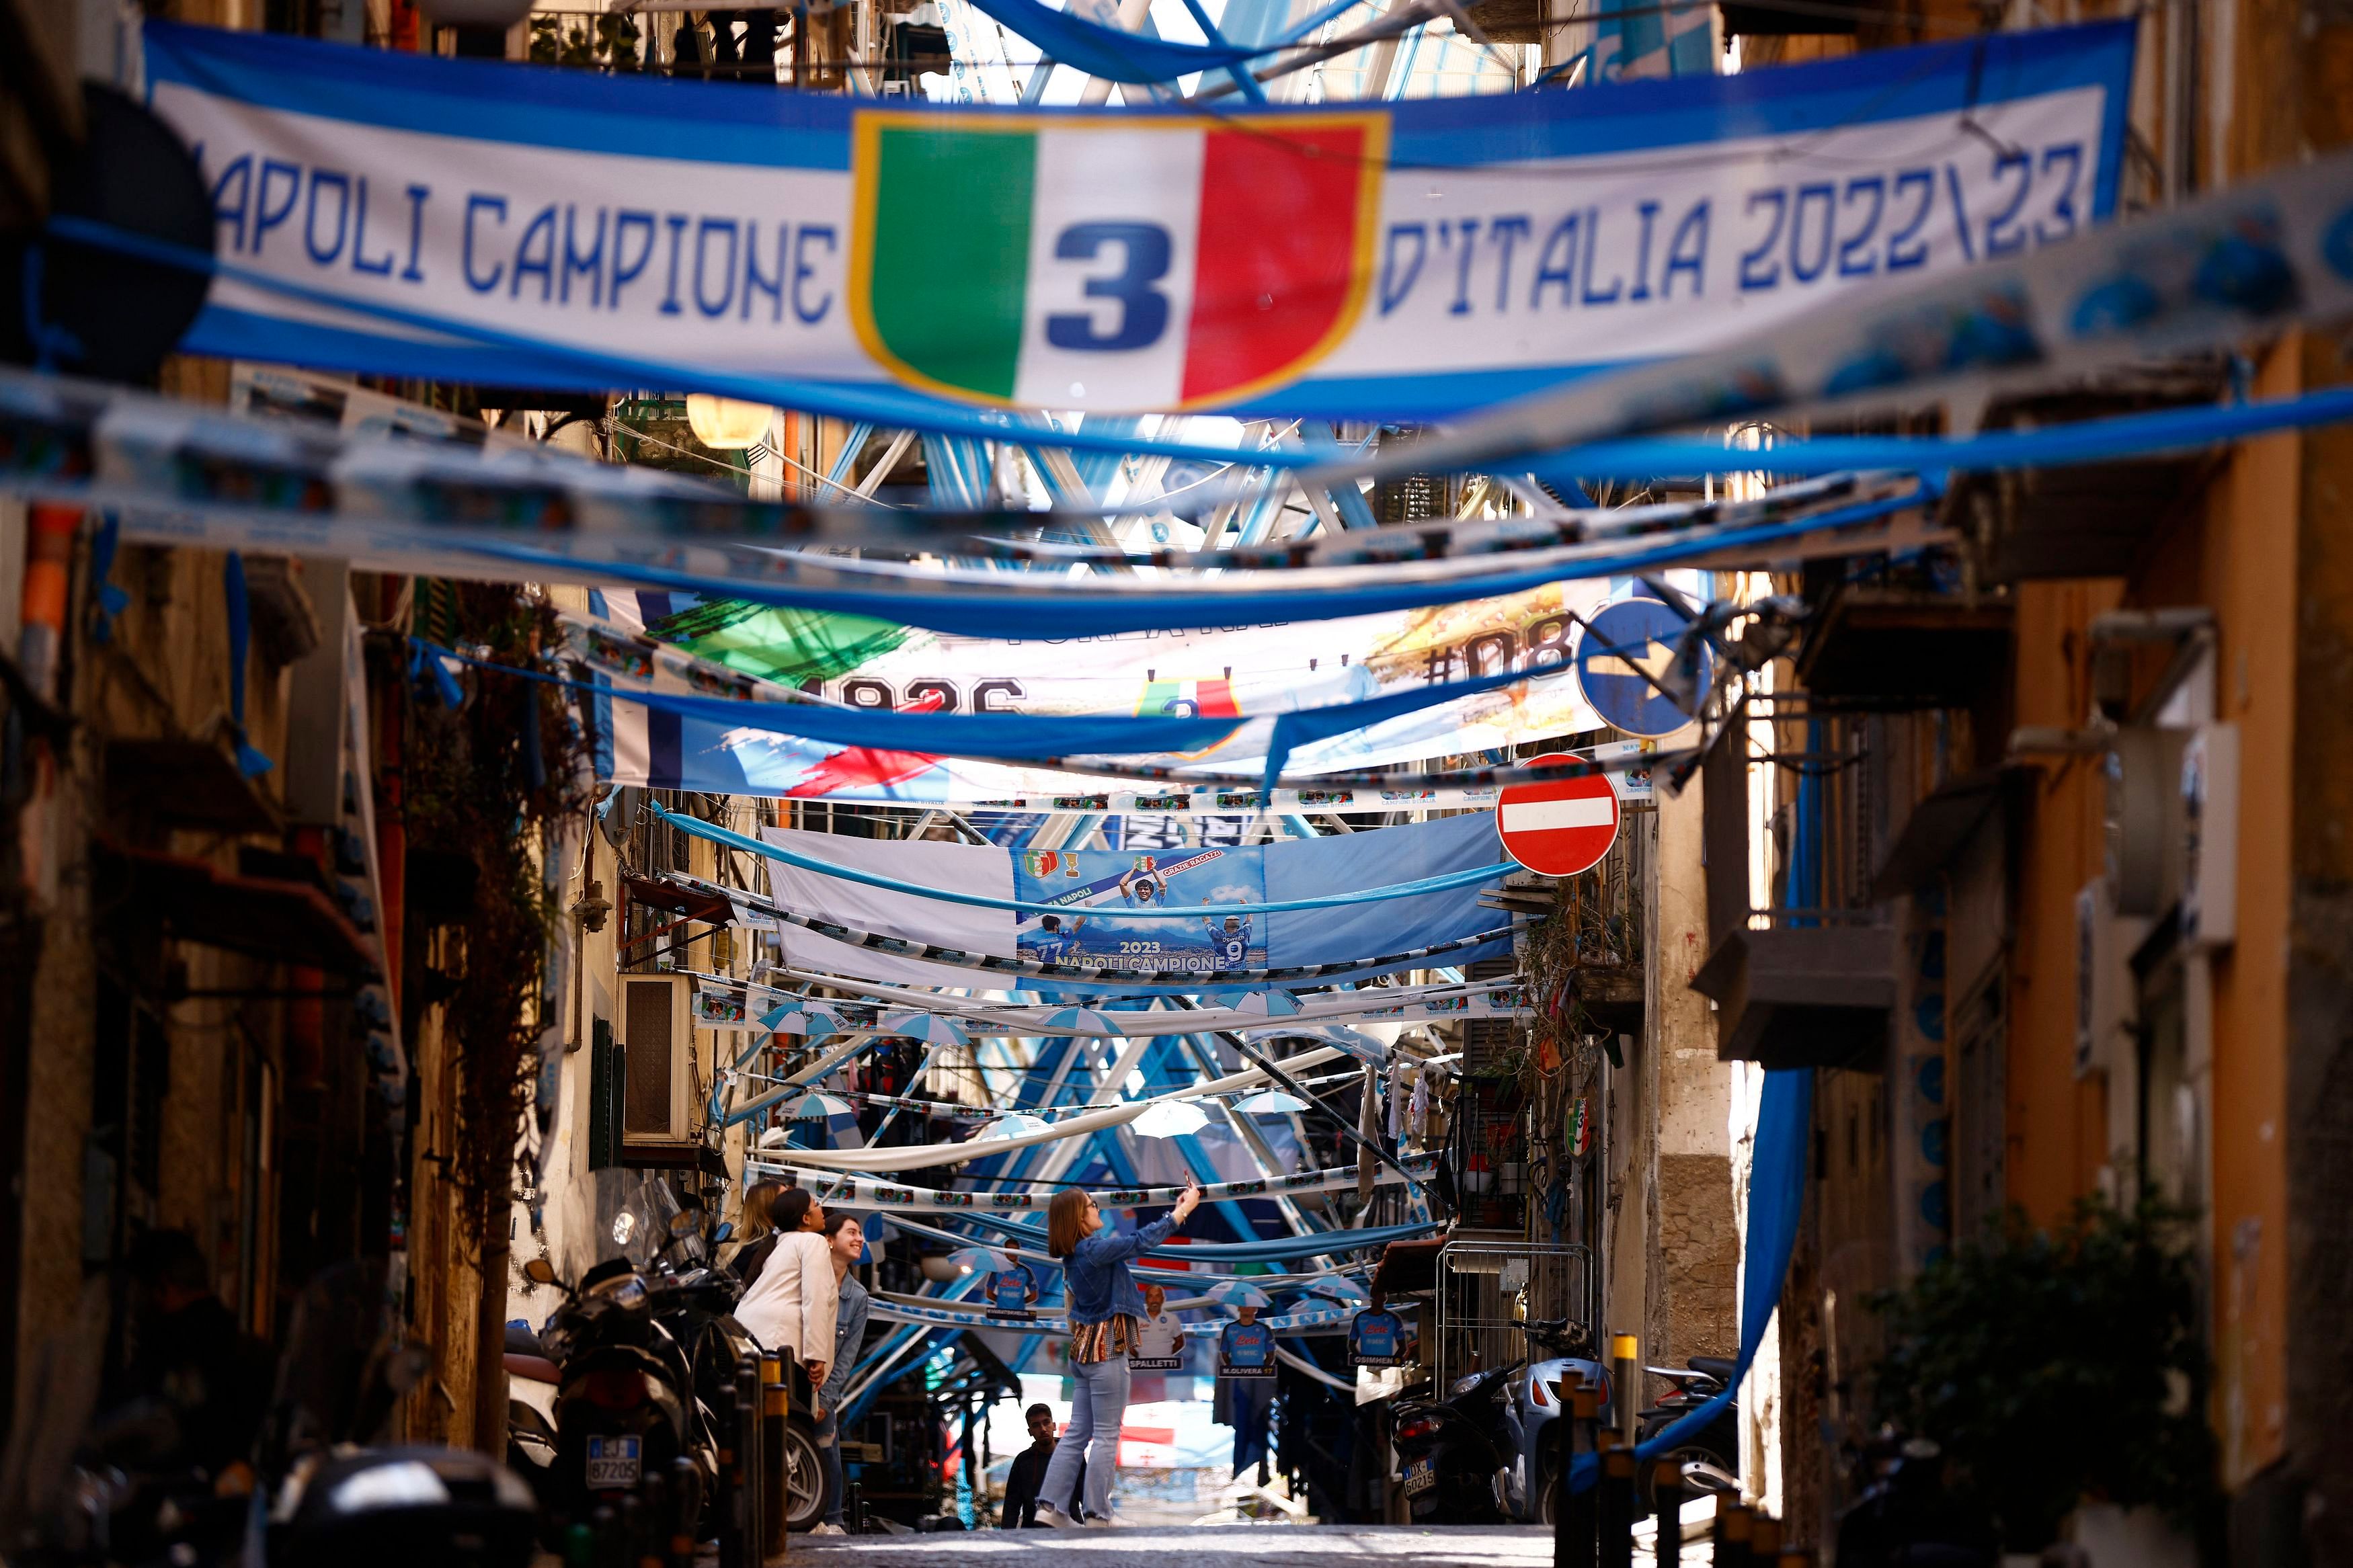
[1203,1546]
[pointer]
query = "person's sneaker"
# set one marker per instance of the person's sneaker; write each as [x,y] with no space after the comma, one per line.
[828,1529]
[1049,1514]
[1103,1522]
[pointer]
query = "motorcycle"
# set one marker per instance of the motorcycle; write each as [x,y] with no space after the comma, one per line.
[1453,1469]
[1715,1446]
[626,1428]
[645,1352]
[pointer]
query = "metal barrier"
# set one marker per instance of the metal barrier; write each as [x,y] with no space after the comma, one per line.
[1487,1289]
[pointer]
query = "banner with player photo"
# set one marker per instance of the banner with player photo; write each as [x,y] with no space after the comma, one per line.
[1099,892]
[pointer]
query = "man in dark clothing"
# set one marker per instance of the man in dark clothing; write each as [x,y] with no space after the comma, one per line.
[1028,1470]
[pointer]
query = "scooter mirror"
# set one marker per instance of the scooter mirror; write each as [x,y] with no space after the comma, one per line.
[726,1229]
[539,1271]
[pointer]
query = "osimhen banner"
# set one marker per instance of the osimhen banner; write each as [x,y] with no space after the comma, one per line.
[1405,261]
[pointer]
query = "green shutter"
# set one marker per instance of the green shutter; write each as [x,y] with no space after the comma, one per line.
[604,1096]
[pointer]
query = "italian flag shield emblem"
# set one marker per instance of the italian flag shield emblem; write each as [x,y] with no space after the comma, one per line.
[1065,262]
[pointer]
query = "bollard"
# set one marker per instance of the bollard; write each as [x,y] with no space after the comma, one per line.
[1732,1525]
[1765,1541]
[750,1405]
[652,1541]
[1573,1538]
[604,1528]
[726,1501]
[775,1502]
[1667,1503]
[685,1492]
[1616,1487]
[1626,1383]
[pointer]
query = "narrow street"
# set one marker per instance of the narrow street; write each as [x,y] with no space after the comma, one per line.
[1176,784]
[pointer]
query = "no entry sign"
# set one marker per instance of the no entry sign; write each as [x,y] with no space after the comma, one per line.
[1559,828]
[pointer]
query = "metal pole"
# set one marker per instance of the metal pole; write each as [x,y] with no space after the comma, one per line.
[1575,1542]
[1667,1504]
[1626,1384]
[1615,1488]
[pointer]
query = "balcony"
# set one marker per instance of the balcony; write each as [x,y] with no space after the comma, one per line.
[1794,985]
[2093,519]
[1887,650]
[1803,988]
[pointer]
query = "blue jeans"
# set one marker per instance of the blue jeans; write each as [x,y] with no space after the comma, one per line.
[1098,1407]
[829,1452]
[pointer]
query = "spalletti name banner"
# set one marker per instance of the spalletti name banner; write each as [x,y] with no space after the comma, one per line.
[1405,261]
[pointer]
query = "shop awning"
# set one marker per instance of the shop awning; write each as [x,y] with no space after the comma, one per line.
[268,917]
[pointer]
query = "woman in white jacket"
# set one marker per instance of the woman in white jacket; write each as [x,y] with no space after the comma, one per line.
[789,1308]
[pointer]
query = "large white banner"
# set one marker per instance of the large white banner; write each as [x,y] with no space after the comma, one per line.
[478,221]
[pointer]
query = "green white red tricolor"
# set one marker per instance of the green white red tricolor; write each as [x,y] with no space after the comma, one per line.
[1062,262]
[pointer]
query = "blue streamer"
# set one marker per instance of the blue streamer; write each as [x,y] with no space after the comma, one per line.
[1116,55]
[985,613]
[250,762]
[1776,1201]
[884,405]
[2052,446]
[1464,878]
[1022,737]
[113,601]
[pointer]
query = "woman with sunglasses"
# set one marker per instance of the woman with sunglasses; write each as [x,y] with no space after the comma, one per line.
[1104,1307]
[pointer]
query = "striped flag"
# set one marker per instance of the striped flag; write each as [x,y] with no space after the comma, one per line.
[1161,264]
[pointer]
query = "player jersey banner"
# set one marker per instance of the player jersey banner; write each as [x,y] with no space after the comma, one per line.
[1097,892]
[470,220]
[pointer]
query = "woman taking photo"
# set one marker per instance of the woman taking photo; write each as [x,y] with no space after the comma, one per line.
[1105,1307]
[790,1308]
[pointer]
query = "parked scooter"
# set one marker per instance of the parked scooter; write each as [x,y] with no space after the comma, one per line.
[1485,1453]
[1533,1414]
[626,1436]
[646,1351]
[1716,1445]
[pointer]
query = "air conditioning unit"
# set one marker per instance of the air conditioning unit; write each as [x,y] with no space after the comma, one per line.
[657,1059]
[2210,823]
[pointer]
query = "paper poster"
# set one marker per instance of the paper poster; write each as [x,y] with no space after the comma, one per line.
[1099,892]
[1159,1343]
[1246,1349]
[1011,1291]
[1377,1337]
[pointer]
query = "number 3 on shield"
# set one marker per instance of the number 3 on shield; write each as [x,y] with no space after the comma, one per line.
[1144,309]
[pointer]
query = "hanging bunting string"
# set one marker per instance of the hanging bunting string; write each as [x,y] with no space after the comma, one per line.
[855,1191]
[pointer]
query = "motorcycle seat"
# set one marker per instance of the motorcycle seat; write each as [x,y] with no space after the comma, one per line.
[1715,1367]
[536,1368]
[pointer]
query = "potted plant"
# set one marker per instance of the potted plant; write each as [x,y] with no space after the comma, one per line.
[2057,1367]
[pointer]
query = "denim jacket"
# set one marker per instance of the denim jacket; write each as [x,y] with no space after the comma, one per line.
[1095,1277]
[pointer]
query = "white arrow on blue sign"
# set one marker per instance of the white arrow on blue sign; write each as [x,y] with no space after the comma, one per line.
[1629,645]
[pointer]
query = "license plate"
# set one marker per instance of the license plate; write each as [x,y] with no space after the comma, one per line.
[613,1462]
[1419,1476]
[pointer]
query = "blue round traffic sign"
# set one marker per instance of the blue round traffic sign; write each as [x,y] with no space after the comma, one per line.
[1628,644]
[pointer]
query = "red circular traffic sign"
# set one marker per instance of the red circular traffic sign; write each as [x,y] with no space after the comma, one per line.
[1559,828]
